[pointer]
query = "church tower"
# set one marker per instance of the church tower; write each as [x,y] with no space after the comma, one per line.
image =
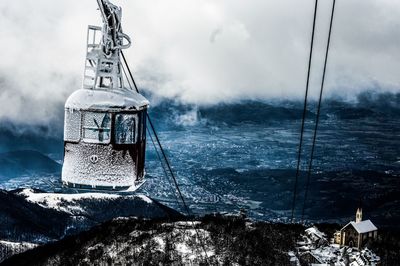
[359,215]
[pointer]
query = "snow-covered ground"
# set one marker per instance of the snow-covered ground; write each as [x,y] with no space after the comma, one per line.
[71,203]
[8,248]
[68,213]
[180,239]
[314,247]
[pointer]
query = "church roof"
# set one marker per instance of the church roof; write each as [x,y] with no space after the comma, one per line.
[363,226]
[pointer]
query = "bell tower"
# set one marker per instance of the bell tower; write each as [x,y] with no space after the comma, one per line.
[359,215]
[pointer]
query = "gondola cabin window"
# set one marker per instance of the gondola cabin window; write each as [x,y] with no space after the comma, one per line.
[96,127]
[125,128]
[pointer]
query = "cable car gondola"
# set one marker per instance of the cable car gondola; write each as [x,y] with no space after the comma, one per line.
[105,122]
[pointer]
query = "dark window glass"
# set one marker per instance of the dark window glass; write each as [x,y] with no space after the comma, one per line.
[125,128]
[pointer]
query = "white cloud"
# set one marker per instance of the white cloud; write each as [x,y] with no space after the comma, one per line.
[199,51]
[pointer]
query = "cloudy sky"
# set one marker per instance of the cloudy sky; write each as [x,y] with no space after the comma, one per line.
[199,51]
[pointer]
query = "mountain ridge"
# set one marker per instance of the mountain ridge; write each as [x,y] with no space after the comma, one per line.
[26,162]
[37,217]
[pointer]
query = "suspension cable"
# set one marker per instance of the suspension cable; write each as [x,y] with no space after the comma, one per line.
[318,111]
[169,167]
[167,161]
[153,142]
[154,145]
[130,73]
[304,112]
[158,141]
[163,166]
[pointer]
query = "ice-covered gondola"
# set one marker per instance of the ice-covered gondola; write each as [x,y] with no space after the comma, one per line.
[105,122]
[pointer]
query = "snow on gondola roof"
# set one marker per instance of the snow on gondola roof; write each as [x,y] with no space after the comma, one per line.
[106,99]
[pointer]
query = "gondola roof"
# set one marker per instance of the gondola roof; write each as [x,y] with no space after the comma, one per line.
[87,99]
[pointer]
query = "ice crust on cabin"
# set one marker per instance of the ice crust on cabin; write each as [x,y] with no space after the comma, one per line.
[72,125]
[112,169]
[104,99]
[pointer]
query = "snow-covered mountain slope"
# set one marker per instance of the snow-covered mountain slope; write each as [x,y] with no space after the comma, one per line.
[77,203]
[217,240]
[211,240]
[37,217]
[98,207]
[9,248]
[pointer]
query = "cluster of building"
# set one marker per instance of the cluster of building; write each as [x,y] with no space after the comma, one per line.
[348,247]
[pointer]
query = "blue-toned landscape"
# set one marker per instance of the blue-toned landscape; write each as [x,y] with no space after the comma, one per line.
[199,132]
[243,155]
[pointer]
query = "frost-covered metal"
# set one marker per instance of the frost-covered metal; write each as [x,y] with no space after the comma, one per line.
[105,122]
[103,67]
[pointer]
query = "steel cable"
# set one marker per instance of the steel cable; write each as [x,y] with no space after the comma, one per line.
[304,113]
[166,159]
[318,111]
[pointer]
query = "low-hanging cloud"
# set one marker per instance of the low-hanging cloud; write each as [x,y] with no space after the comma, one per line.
[200,52]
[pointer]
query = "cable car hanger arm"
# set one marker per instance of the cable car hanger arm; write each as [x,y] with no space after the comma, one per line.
[113,37]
